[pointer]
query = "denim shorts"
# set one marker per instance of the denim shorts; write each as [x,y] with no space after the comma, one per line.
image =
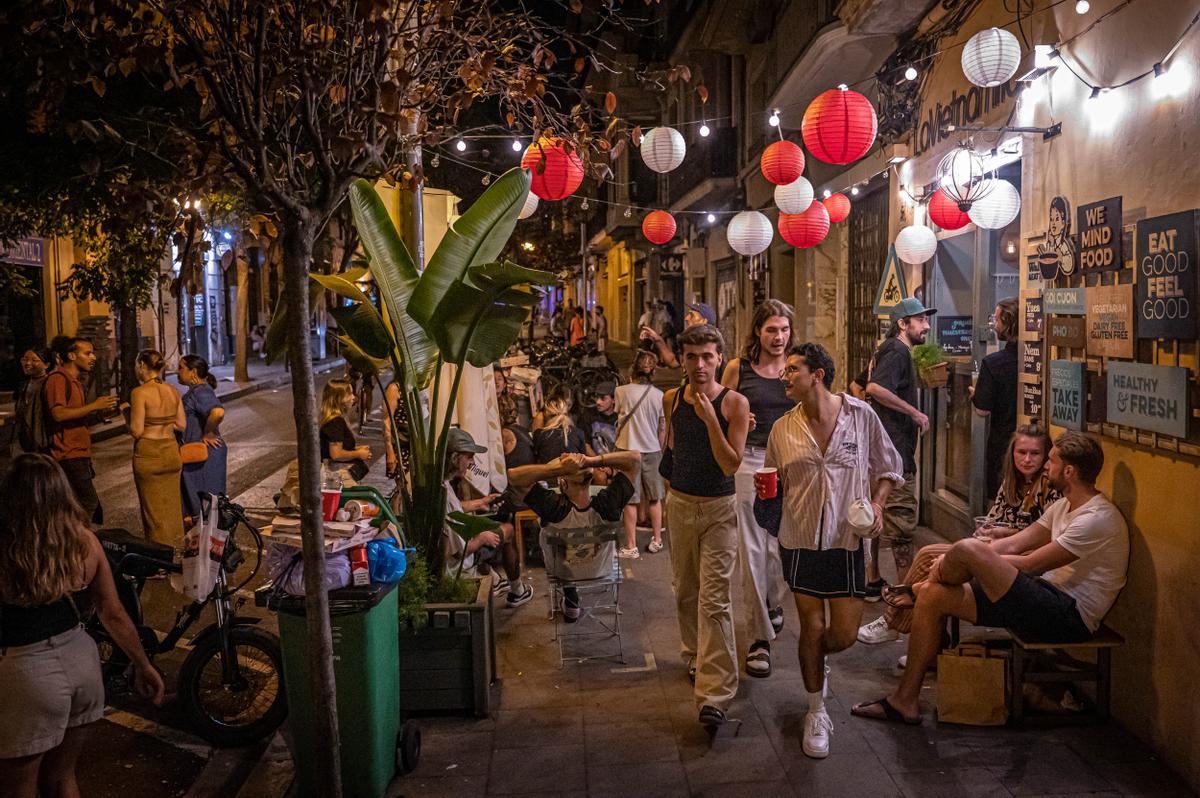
[49,687]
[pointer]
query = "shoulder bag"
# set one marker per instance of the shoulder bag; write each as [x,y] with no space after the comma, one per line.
[668,455]
[860,512]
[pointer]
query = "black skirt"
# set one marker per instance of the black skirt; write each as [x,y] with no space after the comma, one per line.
[825,573]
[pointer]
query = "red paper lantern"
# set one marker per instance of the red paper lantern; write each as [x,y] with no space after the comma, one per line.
[658,227]
[944,212]
[782,162]
[838,206]
[806,229]
[839,126]
[556,172]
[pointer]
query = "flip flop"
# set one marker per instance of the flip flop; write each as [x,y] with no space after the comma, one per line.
[901,597]
[890,713]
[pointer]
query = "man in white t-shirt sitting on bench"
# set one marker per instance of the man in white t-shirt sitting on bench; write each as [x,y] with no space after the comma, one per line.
[1052,582]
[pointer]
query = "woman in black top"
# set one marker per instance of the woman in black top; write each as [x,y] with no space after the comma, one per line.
[757,375]
[338,444]
[554,431]
[995,394]
[31,434]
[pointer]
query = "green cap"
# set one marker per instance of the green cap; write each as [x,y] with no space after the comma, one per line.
[459,440]
[910,307]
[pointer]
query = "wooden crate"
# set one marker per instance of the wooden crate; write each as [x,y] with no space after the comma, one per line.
[449,666]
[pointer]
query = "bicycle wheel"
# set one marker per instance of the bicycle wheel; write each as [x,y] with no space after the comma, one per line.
[244,709]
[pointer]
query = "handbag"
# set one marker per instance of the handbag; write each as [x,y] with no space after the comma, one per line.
[860,513]
[194,452]
[668,454]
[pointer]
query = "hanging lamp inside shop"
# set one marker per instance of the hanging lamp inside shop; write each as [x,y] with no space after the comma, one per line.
[794,197]
[749,233]
[991,57]
[782,162]
[944,212]
[658,227]
[530,206]
[663,149]
[999,208]
[556,173]
[916,244]
[964,176]
[838,206]
[839,126]
[804,230]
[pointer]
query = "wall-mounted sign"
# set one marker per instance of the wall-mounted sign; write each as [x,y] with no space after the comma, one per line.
[1165,249]
[1110,321]
[198,310]
[954,334]
[938,118]
[25,252]
[1066,394]
[1068,331]
[1148,397]
[1033,313]
[1033,273]
[1031,400]
[1057,254]
[671,266]
[1064,301]
[1100,235]
[891,285]
[1031,356]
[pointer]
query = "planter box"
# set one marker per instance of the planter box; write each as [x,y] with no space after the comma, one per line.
[935,376]
[449,666]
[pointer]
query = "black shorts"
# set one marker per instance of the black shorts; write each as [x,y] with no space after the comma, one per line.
[1033,608]
[825,573]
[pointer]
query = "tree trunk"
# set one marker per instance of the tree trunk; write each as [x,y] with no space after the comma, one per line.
[412,202]
[298,238]
[127,345]
[240,371]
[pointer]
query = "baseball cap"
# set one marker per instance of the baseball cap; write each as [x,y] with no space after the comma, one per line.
[910,306]
[459,440]
[705,310]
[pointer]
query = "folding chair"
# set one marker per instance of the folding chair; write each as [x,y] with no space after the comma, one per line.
[585,558]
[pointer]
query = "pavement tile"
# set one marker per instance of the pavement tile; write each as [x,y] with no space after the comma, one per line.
[540,689]
[730,759]
[658,779]
[1144,779]
[840,775]
[551,768]
[787,732]
[443,755]
[1107,744]
[532,728]
[745,789]
[1045,769]
[903,749]
[613,704]
[441,787]
[624,743]
[950,783]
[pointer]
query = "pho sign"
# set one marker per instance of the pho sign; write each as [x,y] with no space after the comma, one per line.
[1153,398]
[1066,394]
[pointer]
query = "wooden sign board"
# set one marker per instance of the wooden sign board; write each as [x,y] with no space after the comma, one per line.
[1153,398]
[1100,235]
[1032,353]
[954,334]
[1033,273]
[1033,313]
[1068,331]
[1067,398]
[1064,301]
[1166,263]
[1031,401]
[1110,321]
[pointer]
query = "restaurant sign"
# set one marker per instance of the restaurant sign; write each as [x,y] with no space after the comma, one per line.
[1069,331]
[1032,352]
[1066,394]
[1110,321]
[1165,248]
[954,334]
[1100,235]
[1064,301]
[25,252]
[1031,400]
[1033,312]
[1153,398]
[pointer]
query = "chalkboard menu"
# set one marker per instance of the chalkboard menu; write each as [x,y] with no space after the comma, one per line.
[1031,400]
[1165,302]
[954,334]
[1100,235]
[1033,314]
[1031,357]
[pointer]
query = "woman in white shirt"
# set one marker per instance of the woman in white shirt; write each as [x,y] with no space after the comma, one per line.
[830,451]
[640,428]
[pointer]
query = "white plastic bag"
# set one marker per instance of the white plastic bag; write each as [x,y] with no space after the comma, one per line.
[199,567]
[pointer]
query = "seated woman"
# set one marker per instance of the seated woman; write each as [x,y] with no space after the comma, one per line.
[1025,493]
[338,444]
[487,550]
[554,431]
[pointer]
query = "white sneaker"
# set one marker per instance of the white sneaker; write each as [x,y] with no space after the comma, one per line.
[630,553]
[817,729]
[877,631]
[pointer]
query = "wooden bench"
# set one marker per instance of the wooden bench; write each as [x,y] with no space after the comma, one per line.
[520,519]
[1023,664]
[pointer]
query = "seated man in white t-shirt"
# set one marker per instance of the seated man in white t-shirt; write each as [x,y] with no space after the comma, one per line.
[573,507]
[1054,581]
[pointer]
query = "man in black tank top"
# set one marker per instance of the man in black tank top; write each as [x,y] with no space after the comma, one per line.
[706,432]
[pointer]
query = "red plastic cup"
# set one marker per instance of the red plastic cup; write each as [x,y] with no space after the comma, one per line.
[329,503]
[766,483]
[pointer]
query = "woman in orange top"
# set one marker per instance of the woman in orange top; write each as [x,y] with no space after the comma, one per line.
[578,336]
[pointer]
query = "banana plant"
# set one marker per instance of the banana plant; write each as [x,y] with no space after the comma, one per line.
[464,307]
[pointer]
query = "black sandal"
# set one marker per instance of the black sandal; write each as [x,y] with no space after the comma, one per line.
[896,595]
[890,713]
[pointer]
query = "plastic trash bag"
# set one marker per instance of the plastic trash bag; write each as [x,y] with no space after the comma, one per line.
[387,561]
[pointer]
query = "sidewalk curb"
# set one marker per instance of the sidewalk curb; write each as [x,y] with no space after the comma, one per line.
[110,430]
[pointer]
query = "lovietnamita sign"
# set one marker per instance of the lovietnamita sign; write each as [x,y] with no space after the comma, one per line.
[972,105]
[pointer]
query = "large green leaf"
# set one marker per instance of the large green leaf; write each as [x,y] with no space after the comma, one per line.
[468,526]
[275,341]
[363,325]
[360,361]
[475,238]
[344,284]
[397,278]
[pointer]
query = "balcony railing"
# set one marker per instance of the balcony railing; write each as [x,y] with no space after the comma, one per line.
[707,158]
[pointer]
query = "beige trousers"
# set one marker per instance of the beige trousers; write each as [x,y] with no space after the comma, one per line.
[704,545]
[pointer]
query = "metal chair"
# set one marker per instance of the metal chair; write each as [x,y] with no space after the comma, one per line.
[585,558]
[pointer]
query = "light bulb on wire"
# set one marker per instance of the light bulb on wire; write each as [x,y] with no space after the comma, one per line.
[486,179]
[773,119]
[843,87]
[854,191]
[435,162]
[826,193]
[712,218]
[460,145]
[628,213]
[1082,7]
[704,131]
[910,73]
[516,145]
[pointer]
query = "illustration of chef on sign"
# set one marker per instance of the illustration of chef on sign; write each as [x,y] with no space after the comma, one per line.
[1057,253]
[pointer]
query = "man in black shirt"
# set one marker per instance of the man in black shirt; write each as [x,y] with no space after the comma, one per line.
[892,389]
[599,422]
[995,393]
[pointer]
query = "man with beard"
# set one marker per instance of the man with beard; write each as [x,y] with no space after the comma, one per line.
[892,389]
[1054,581]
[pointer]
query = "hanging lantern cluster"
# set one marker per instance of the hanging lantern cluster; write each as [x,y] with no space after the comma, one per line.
[530,206]
[945,213]
[749,233]
[804,230]
[556,172]
[991,57]
[838,206]
[663,149]
[964,176]
[999,208]
[794,197]
[839,126]
[916,244]
[658,227]
[782,162]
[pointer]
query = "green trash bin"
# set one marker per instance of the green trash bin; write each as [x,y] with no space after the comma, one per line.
[365,640]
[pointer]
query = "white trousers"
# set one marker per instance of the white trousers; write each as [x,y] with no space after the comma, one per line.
[761,572]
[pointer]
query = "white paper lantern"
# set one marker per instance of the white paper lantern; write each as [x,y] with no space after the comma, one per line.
[531,203]
[991,57]
[963,176]
[749,233]
[916,244]
[795,197]
[998,209]
[663,148]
